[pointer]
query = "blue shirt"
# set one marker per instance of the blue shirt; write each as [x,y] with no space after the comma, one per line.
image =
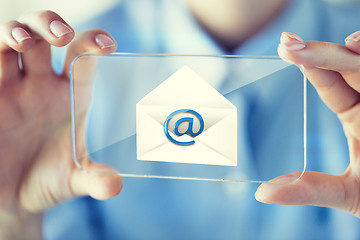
[169,209]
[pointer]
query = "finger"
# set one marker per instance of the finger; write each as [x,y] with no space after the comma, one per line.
[313,188]
[351,124]
[333,89]
[9,68]
[352,42]
[94,41]
[328,56]
[98,180]
[13,38]
[47,28]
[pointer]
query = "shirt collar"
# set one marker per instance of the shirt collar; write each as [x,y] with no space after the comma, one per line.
[181,34]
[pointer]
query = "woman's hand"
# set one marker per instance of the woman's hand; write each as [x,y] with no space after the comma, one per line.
[334,70]
[36,166]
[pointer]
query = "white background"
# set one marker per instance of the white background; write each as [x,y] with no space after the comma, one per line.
[73,11]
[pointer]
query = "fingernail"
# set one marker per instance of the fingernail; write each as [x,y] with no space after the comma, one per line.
[104,41]
[268,192]
[353,37]
[19,34]
[291,41]
[259,196]
[59,29]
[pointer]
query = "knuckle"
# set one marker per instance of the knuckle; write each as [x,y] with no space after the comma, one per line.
[354,129]
[356,66]
[9,24]
[313,43]
[87,36]
[47,14]
[92,33]
[351,198]
[350,117]
[98,30]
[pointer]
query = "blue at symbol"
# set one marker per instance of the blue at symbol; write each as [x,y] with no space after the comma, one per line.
[181,120]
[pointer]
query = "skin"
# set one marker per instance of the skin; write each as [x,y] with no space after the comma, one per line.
[334,70]
[231,22]
[36,167]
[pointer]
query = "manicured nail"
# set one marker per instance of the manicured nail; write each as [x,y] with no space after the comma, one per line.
[291,41]
[353,37]
[59,29]
[19,34]
[104,41]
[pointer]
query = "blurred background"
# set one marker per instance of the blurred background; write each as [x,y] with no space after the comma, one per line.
[75,11]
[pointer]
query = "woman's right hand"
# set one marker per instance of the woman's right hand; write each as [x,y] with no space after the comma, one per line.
[36,166]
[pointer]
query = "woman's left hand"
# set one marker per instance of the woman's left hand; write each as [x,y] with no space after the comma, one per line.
[334,70]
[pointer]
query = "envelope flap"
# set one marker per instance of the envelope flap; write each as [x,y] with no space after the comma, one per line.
[185,87]
[211,116]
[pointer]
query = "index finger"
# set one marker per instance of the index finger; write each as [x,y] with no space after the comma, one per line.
[324,55]
[331,68]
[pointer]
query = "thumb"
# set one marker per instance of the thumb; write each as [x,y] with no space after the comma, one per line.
[313,188]
[98,181]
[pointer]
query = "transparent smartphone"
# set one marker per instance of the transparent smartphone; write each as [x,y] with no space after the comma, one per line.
[196,117]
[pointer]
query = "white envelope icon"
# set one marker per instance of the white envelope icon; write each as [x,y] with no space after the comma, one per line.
[185,90]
